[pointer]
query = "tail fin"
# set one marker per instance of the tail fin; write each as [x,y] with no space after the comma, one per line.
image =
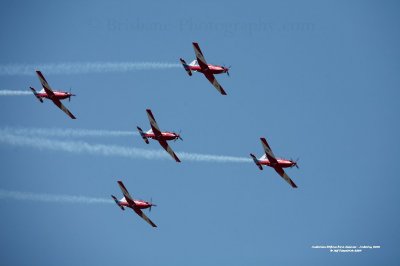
[186,67]
[117,202]
[194,63]
[143,135]
[36,95]
[256,161]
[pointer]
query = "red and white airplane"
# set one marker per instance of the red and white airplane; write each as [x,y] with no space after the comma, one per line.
[270,160]
[200,65]
[162,137]
[136,205]
[55,96]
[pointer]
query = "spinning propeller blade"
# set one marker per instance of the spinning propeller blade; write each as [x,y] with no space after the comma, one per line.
[295,163]
[151,204]
[227,70]
[178,135]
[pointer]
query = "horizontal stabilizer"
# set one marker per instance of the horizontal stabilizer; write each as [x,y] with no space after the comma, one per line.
[186,67]
[36,95]
[117,202]
[143,135]
[256,161]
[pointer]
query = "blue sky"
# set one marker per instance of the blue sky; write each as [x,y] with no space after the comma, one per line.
[318,79]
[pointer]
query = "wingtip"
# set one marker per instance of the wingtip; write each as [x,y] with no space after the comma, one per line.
[39,73]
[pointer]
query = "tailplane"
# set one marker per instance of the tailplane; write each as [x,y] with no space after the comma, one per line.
[186,67]
[143,135]
[117,202]
[36,94]
[256,161]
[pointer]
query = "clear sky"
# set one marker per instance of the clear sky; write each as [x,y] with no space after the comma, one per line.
[319,79]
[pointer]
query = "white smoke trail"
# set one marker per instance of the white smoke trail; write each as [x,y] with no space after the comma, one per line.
[80,147]
[82,67]
[66,132]
[17,195]
[14,93]
[212,158]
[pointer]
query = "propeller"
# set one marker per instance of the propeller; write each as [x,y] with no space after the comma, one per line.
[227,69]
[295,163]
[179,135]
[151,204]
[70,94]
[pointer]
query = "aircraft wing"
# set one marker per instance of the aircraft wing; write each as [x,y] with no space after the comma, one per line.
[215,83]
[282,173]
[62,107]
[268,152]
[127,196]
[166,147]
[199,55]
[45,85]
[143,216]
[50,93]
[153,123]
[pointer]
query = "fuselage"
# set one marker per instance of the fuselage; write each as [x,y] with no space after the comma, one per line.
[211,69]
[281,162]
[164,136]
[58,94]
[141,204]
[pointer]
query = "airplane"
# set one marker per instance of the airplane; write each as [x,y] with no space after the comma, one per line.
[55,96]
[136,205]
[162,137]
[270,160]
[200,65]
